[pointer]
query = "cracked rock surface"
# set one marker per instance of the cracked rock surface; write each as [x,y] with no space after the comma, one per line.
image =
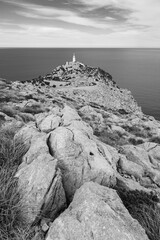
[85,137]
[96,212]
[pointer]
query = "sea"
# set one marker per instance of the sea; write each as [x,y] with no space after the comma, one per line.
[135,69]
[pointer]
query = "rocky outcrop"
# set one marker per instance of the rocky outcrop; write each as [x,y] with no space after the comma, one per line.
[49,123]
[81,84]
[85,137]
[64,154]
[68,155]
[79,157]
[39,179]
[70,149]
[96,212]
[75,74]
[80,160]
[140,164]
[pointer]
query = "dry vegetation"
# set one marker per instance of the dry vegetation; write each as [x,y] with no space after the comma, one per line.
[144,208]
[141,206]
[114,139]
[12,222]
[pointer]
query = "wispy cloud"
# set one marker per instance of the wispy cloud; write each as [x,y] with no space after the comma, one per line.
[81,22]
[51,13]
[69,16]
[65,16]
[142,12]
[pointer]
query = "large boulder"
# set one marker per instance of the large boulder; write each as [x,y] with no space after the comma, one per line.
[39,181]
[142,164]
[153,150]
[82,126]
[49,123]
[69,115]
[80,159]
[96,213]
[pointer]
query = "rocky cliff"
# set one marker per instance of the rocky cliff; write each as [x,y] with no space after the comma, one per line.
[88,142]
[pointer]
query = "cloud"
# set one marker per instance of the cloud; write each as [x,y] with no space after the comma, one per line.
[68,17]
[142,12]
[99,23]
[93,4]
[41,36]
[72,16]
[115,14]
[51,13]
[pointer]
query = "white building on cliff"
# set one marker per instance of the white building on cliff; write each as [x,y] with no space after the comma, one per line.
[74,58]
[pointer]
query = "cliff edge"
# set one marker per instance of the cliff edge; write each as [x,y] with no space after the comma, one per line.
[90,151]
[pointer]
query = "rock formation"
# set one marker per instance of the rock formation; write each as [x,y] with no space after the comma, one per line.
[86,139]
[95,213]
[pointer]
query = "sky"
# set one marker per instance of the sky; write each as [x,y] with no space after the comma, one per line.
[80,23]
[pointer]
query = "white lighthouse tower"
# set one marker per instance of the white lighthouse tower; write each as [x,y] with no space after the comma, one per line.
[74,58]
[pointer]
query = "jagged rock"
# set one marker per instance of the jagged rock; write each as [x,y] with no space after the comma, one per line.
[153,150]
[129,184]
[86,84]
[81,126]
[40,117]
[39,181]
[4,117]
[131,168]
[103,96]
[108,152]
[27,132]
[64,154]
[94,117]
[54,112]
[142,163]
[96,213]
[49,123]
[69,115]
[80,159]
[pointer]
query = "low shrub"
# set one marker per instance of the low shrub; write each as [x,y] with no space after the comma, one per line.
[26,117]
[138,131]
[34,109]
[143,207]
[12,222]
[114,139]
[8,111]
[155,139]
[2,120]
[135,141]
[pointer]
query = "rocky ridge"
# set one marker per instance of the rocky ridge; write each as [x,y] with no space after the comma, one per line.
[82,84]
[86,139]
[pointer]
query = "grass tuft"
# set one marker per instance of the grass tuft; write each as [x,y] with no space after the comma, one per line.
[8,111]
[12,221]
[114,139]
[26,117]
[155,139]
[143,207]
[34,109]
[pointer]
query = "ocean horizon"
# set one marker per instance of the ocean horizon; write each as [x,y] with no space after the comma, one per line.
[137,69]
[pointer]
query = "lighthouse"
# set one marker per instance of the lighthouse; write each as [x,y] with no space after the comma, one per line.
[74,58]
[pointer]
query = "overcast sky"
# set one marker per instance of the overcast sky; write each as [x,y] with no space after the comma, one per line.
[79,23]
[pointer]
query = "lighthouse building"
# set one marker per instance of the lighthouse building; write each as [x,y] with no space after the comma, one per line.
[74,58]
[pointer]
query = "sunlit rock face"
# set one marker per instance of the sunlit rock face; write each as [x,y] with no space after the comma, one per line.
[86,139]
[96,213]
[82,84]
